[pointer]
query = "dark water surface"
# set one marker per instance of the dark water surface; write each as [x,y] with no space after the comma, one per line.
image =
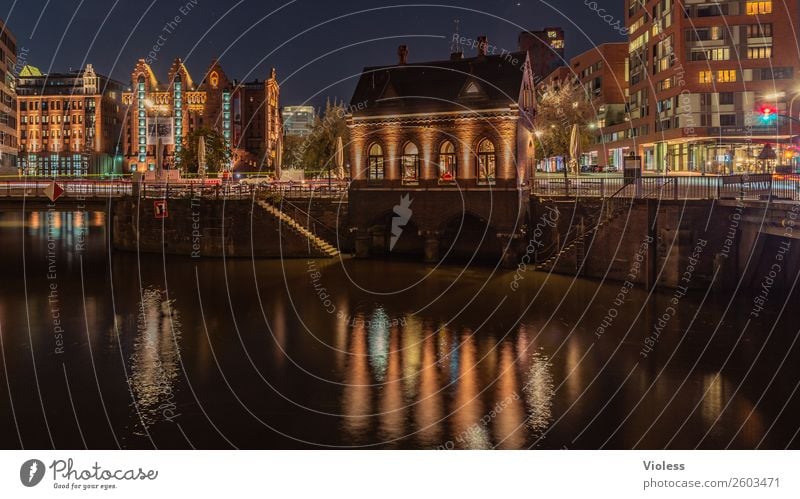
[140,351]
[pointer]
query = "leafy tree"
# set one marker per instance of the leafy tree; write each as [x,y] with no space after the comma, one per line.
[320,147]
[218,155]
[560,106]
[294,151]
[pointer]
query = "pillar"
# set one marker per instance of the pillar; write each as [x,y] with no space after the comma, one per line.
[432,247]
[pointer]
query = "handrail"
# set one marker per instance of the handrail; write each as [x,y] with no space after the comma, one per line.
[327,228]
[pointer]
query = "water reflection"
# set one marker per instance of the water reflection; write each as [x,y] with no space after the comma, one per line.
[154,361]
[381,375]
[416,380]
[539,393]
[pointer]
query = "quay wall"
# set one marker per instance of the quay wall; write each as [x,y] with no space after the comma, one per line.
[202,227]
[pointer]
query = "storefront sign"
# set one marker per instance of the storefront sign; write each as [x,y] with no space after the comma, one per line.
[743,131]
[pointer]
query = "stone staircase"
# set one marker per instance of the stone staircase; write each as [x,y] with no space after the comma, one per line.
[582,239]
[315,241]
[614,206]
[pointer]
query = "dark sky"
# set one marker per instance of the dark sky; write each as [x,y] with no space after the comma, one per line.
[313,44]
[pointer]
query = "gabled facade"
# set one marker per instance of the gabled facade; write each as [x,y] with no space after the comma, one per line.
[459,122]
[441,153]
[243,114]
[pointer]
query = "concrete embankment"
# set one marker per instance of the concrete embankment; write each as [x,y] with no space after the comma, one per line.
[201,227]
[672,244]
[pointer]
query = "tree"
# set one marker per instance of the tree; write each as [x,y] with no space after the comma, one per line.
[218,154]
[294,151]
[560,106]
[321,143]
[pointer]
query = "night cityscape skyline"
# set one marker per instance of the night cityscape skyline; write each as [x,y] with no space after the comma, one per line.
[562,227]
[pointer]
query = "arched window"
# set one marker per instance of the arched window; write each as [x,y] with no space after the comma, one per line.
[447,162]
[487,162]
[410,163]
[375,162]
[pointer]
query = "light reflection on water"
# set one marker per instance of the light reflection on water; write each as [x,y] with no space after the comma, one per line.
[412,381]
[154,362]
[373,374]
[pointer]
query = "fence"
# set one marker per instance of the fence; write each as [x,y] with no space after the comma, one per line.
[752,187]
[239,191]
[72,189]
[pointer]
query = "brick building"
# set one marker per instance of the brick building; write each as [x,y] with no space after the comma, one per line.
[247,115]
[700,74]
[432,131]
[69,123]
[8,106]
[545,48]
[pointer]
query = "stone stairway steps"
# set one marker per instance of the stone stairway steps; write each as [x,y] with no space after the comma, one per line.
[579,243]
[319,243]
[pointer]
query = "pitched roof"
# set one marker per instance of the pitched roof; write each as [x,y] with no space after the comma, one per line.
[477,83]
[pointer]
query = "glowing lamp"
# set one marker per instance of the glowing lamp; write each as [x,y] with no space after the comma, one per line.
[768,114]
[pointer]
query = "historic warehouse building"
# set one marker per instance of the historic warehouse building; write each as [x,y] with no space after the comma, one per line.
[455,137]
[69,123]
[247,115]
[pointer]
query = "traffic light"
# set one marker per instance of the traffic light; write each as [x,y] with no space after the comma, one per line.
[769,114]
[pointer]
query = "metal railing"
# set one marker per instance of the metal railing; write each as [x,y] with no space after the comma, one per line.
[79,189]
[746,187]
[226,190]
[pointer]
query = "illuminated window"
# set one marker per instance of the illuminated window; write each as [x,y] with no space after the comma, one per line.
[726,75]
[375,169]
[447,162]
[487,162]
[759,52]
[705,77]
[757,8]
[410,163]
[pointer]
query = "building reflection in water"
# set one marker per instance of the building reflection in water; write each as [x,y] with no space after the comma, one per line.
[154,361]
[356,394]
[378,327]
[539,393]
[717,399]
[392,406]
[424,382]
[429,410]
[509,421]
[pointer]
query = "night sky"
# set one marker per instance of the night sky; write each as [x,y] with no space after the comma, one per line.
[318,47]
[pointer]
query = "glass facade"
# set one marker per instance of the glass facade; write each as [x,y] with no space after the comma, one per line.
[50,165]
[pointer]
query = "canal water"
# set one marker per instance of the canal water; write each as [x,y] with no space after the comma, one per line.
[107,350]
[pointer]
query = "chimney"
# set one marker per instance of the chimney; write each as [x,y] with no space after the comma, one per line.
[402,54]
[483,45]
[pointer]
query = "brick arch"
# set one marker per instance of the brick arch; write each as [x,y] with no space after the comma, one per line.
[468,236]
[455,216]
